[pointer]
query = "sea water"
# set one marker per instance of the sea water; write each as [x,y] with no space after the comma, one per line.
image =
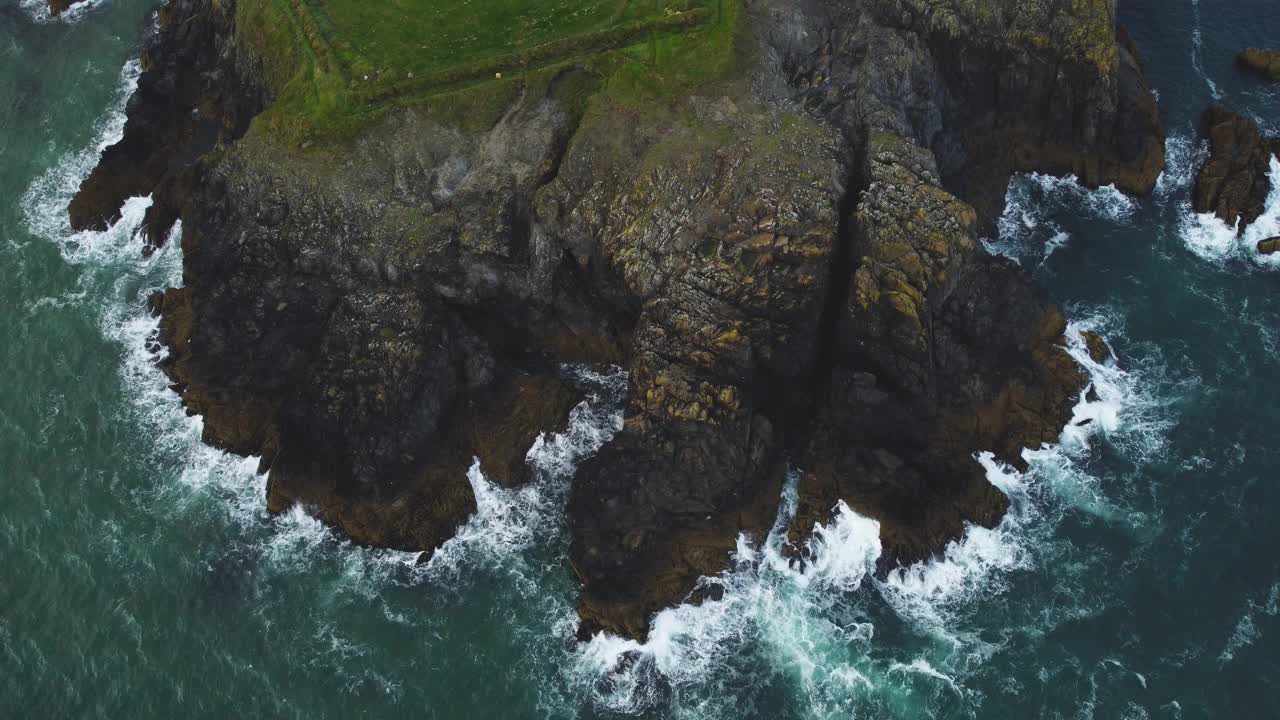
[1135,576]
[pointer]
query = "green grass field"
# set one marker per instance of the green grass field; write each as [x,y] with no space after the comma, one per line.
[337,64]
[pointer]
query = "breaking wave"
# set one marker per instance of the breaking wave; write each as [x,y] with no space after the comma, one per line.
[1030,229]
[813,622]
[39,10]
[1211,239]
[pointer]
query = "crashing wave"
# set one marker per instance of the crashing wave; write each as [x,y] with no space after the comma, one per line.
[1211,239]
[1029,232]
[39,10]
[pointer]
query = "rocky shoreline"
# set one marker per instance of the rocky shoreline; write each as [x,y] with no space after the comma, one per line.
[786,263]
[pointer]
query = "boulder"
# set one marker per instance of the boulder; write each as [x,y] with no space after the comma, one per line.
[1234,182]
[1263,62]
[57,7]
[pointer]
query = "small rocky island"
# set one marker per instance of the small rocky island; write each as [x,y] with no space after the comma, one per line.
[767,211]
[1235,180]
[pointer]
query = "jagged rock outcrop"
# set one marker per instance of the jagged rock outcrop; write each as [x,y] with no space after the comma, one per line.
[1263,62]
[992,88]
[786,264]
[939,350]
[1235,180]
[191,96]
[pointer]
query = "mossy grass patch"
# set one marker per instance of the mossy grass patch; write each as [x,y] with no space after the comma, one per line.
[336,65]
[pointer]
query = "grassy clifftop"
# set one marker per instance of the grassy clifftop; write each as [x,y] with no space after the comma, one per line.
[337,64]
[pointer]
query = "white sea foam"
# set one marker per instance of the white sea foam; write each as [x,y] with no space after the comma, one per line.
[39,10]
[1208,237]
[786,606]
[1197,52]
[1028,231]
[508,521]
[798,615]
[44,205]
[921,666]
[1246,630]
[1183,158]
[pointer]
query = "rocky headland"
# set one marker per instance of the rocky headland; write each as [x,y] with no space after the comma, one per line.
[766,211]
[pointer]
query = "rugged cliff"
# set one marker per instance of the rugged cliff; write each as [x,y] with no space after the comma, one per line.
[770,219]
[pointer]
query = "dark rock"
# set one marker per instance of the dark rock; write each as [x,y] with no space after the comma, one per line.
[782,285]
[1264,62]
[190,97]
[1269,246]
[1234,182]
[57,7]
[1099,351]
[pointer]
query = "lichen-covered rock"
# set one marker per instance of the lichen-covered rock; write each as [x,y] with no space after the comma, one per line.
[717,222]
[1264,62]
[785,261]
[941,350]
[1234,181]
[991,87]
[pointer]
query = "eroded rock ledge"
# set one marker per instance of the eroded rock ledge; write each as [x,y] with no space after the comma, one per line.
[786,263]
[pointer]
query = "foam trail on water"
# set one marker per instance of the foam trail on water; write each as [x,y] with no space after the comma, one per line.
[39,10]
[1197,52]
[1246,630]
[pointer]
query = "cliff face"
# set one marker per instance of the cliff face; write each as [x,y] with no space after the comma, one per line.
[785,261]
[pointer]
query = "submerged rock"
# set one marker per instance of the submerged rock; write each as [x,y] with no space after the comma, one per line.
[1264,62]
[1234,182]
[57,7]
[1099,351]
[785,261]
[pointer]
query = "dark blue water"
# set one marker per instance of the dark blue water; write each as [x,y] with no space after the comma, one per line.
[1137,576]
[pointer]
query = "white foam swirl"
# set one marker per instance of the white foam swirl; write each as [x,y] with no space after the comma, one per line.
[1028,230]
[39,10]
